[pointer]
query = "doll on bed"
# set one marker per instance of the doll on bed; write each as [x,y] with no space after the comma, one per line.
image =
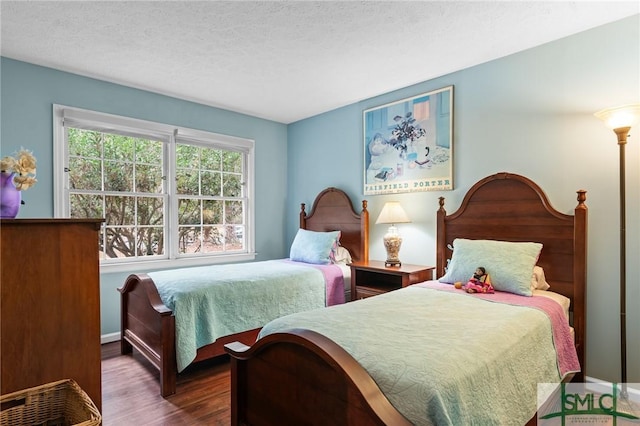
[480,282]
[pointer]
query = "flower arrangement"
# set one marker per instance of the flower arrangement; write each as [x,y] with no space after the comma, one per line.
[23,166]
[407,130]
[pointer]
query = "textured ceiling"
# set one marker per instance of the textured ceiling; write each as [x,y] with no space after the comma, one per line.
[284,60]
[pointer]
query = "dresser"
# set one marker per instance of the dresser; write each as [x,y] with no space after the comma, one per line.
[50,304]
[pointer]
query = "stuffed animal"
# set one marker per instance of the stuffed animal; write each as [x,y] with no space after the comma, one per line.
[480,282]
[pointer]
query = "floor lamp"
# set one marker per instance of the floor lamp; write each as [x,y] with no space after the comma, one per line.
[621,119]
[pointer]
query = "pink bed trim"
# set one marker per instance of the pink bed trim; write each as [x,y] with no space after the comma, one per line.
[333,282]
[567,357]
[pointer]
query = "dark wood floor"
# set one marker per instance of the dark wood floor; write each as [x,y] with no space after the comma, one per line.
[131,392]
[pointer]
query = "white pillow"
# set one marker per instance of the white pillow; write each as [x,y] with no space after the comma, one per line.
[509,264]
[538,280]
[341,256]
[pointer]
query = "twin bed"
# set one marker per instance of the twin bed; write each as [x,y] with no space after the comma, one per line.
[430,353]
[214,305]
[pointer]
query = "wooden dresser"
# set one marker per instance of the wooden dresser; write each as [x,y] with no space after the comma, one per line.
[50,304]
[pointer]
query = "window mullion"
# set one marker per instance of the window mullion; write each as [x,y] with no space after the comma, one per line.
[171,204]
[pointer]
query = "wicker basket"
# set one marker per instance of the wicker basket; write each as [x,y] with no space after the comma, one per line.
[61,403]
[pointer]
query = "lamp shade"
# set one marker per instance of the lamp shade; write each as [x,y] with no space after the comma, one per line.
[392,212]
[618,117]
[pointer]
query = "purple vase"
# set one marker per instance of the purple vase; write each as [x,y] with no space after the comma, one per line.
[10,197]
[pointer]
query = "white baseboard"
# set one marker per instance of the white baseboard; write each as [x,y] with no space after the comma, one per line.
[108,338]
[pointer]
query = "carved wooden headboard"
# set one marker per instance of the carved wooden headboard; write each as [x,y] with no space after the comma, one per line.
[510,207]
[332,210]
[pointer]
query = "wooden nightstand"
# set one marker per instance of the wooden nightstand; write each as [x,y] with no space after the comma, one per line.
[372,278]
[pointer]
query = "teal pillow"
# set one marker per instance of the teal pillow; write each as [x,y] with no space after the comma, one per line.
[509,264]
[314,247]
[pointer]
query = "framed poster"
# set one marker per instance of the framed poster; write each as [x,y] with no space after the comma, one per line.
[408,144]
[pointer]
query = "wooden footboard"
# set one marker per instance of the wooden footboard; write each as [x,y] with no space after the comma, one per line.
[302,377]
[149,327]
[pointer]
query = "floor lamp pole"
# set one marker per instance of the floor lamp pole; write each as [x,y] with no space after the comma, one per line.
[622,133]
[621,119]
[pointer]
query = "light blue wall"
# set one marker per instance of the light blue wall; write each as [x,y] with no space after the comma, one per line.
[530,113]
[27,95]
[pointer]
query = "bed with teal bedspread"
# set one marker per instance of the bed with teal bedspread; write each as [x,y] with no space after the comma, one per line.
[471,349]
[462,357]
[205,299]
[149,322]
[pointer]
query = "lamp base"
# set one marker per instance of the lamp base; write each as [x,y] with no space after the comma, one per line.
[392,241]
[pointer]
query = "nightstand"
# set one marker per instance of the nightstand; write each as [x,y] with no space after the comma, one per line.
[372,278]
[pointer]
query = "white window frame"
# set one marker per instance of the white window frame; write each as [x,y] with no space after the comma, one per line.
[169,135]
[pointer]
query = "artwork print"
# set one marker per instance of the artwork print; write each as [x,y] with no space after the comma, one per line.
[408,144]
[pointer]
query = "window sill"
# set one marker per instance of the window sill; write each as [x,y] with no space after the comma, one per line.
[150,265]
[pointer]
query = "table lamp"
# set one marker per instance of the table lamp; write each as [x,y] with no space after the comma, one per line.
[392,213]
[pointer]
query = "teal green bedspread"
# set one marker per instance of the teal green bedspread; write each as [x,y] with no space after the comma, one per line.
[214,301]
[443,358]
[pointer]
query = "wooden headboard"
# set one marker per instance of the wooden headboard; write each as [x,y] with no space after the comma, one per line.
[332,210]
[509,207]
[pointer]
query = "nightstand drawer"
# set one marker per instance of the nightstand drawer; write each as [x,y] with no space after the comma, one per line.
[364,292]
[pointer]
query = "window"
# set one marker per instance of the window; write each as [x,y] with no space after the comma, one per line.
[166,193]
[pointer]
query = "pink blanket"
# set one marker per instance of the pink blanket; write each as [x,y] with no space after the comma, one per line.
[334,282]
[562,338]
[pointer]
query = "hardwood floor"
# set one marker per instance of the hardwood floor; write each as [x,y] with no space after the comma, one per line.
[131,392]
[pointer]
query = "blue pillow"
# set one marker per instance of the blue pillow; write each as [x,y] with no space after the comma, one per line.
[314,247]
[509,264]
